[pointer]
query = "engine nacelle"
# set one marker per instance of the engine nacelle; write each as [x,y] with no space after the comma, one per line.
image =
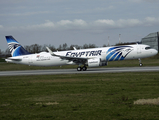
[96,62]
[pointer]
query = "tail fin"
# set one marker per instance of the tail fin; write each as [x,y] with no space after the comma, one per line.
[15,48]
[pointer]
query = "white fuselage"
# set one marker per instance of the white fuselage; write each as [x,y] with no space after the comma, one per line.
[113,53]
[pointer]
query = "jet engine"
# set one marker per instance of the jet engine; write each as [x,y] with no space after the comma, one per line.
[96,62]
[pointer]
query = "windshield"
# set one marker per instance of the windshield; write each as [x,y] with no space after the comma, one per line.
[147,48]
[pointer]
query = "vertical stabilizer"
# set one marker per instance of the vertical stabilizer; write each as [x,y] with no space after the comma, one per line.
[15,48]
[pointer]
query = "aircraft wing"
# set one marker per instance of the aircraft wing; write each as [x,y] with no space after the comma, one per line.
[73,59]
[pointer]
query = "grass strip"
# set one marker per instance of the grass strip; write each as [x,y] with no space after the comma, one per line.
[79,96]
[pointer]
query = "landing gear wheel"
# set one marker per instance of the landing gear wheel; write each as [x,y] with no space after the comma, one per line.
[79,68]
[140,64]
[84,68]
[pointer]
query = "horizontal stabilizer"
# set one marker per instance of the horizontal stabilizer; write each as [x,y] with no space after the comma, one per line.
[13,59]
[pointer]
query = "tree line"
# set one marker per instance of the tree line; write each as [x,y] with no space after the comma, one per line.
[36,48]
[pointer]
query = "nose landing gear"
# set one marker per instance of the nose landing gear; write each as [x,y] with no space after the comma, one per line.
[140,64]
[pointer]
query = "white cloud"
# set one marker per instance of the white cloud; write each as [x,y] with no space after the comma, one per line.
[128,22]
[1,26]
[105,22]
[79,24]
[64,22]
[152,19]
[119,23]
[47,24]
[149,21]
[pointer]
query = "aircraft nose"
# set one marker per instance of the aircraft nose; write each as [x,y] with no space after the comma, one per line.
[154,51]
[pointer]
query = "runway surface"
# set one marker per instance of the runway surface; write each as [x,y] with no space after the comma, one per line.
[74,71]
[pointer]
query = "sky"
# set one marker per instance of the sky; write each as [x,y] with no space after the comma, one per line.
[77,22]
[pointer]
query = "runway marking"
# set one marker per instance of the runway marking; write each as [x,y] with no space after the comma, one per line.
[73,71]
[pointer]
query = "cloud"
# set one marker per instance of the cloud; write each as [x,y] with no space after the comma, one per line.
[149,21]
[128,22]
[118,23]
[105,22]
[64,22]
[47,24]
[152,19]
[67,24]
[79,24]
[1,26]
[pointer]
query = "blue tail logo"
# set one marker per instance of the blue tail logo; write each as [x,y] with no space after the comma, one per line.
[15,48]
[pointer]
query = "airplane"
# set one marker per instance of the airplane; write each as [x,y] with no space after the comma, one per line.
[93,57]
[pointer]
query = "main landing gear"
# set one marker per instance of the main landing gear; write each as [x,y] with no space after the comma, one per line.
[140,64]
[84,68]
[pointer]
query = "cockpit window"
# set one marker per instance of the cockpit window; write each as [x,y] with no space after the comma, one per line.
[147,48]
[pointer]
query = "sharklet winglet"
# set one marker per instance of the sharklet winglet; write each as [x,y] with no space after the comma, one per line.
[51,52]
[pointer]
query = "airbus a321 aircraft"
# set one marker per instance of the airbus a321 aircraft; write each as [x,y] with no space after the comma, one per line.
[94,57]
